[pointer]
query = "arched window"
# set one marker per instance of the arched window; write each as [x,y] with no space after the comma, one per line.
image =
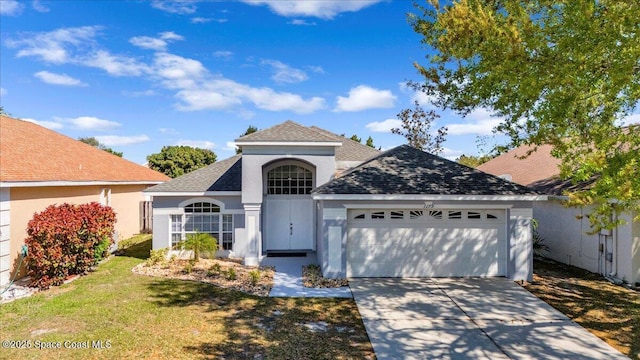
[203,217]
[289,180]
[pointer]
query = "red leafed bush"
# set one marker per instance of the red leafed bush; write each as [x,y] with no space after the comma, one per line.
[67,239]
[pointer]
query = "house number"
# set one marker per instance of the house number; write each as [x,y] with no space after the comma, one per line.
[428,205]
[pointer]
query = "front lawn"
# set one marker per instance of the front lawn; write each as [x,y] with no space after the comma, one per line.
[142,317]
[609,311]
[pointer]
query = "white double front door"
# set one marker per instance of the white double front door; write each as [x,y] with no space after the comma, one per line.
[289,222]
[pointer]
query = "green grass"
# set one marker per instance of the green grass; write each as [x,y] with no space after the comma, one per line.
[146,317]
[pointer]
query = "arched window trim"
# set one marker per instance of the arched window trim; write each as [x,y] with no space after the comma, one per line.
[306,184]
[220,224]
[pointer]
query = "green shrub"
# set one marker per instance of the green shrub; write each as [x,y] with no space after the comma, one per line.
[200,243]
[254,276]
[214,270]
[231,274]
[67,239]
[157,257]
[188,268]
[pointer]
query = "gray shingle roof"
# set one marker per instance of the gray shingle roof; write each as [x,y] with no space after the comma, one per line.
[288,131]
[225,175]
[407,171]
[350,150]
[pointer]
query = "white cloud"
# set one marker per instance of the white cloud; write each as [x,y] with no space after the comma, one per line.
[314,8]
[157,44]
[169,131]
[178,72]
[480,122]
[37,6]
[451,154]
[202,144]
[423,99]
[10,7]
[231,146]
[200,20]
[301,22]
[283,73]
[139,93]
[53,125]
[175,6]
[364,97]
[630,119]
[3,92]
[93,123]
[114,140]
[223,54]
[384,126]
[58,79]
[54,46]
[116,65]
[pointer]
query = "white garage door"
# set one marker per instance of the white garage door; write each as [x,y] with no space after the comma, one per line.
[415,243]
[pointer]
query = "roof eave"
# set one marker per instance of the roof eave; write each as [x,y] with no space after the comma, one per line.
[14,184]
[429,197]
[288,143]
[193,193]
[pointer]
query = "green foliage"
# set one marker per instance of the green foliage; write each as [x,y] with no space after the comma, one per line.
[157,257]
[416,128]
[188,268]
[200,243]
[174,161]
[2,112]
[250,130]
[231,274]
[254,276]
[540,249]
[67,239]
[473,161]
[95,143]
[214,270]
[369,142]
[562,73]
[355,138]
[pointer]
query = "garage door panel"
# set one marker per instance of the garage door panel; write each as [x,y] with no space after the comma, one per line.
[411,249]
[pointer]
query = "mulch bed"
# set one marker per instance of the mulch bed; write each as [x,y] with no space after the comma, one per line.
[312,278]
[219,272]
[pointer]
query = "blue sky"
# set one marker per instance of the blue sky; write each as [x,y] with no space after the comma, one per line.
[138,75]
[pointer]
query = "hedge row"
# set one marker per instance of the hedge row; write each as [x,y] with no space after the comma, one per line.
[66,239]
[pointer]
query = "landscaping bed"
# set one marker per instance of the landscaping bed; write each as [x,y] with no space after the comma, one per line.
[312,278]
[609,311]
[220,272]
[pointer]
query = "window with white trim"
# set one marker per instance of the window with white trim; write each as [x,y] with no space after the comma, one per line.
[203,217]
[289,180]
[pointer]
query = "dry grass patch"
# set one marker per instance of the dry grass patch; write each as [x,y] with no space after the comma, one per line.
[312,278]
[609,311]
[220,272]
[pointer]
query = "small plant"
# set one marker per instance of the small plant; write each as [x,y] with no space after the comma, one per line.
[539,247]
[231,274]
[200,243]
[254,276]
[101,250]
[157,257]
[173,258]
[214,269]
[188,268]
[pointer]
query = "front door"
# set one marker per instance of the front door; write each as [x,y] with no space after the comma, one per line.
[289,223]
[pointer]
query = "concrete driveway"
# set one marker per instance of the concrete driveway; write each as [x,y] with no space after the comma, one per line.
[462,318]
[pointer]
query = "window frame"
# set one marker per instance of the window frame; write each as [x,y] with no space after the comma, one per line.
[223,232]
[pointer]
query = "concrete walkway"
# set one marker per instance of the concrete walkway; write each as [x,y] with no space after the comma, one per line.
[287,280]
[477,318]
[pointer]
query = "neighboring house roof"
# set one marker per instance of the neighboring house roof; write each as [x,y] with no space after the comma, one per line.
[32,153]
[288,131]
[225,175]
[537,166]
[404,170]
[539,170]
[350,150]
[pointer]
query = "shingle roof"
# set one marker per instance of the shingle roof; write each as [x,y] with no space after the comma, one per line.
[350,150]
[408,171]
[288,131]
[539,171]
[30,152]
[225,175]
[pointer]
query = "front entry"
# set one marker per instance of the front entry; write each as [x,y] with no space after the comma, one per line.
[289,207]
[289,223]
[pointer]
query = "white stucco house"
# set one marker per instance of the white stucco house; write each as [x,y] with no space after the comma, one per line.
[362,213]
[566,230]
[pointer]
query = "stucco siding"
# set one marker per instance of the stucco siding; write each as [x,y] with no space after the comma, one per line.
[230,202]
[635,251]
[125,201]
[5,230]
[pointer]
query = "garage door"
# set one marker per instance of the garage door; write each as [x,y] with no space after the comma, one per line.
[415,243]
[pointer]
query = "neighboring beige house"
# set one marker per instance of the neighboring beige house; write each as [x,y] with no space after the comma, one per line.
[39,167]
[614,254]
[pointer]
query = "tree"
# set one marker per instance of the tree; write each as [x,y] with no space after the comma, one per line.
[95,143]
[370,142]
[562,73]
[355,138]
[250,130]
[473,161]
[2,112]
[416,126]
[179,160]
[200,243]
